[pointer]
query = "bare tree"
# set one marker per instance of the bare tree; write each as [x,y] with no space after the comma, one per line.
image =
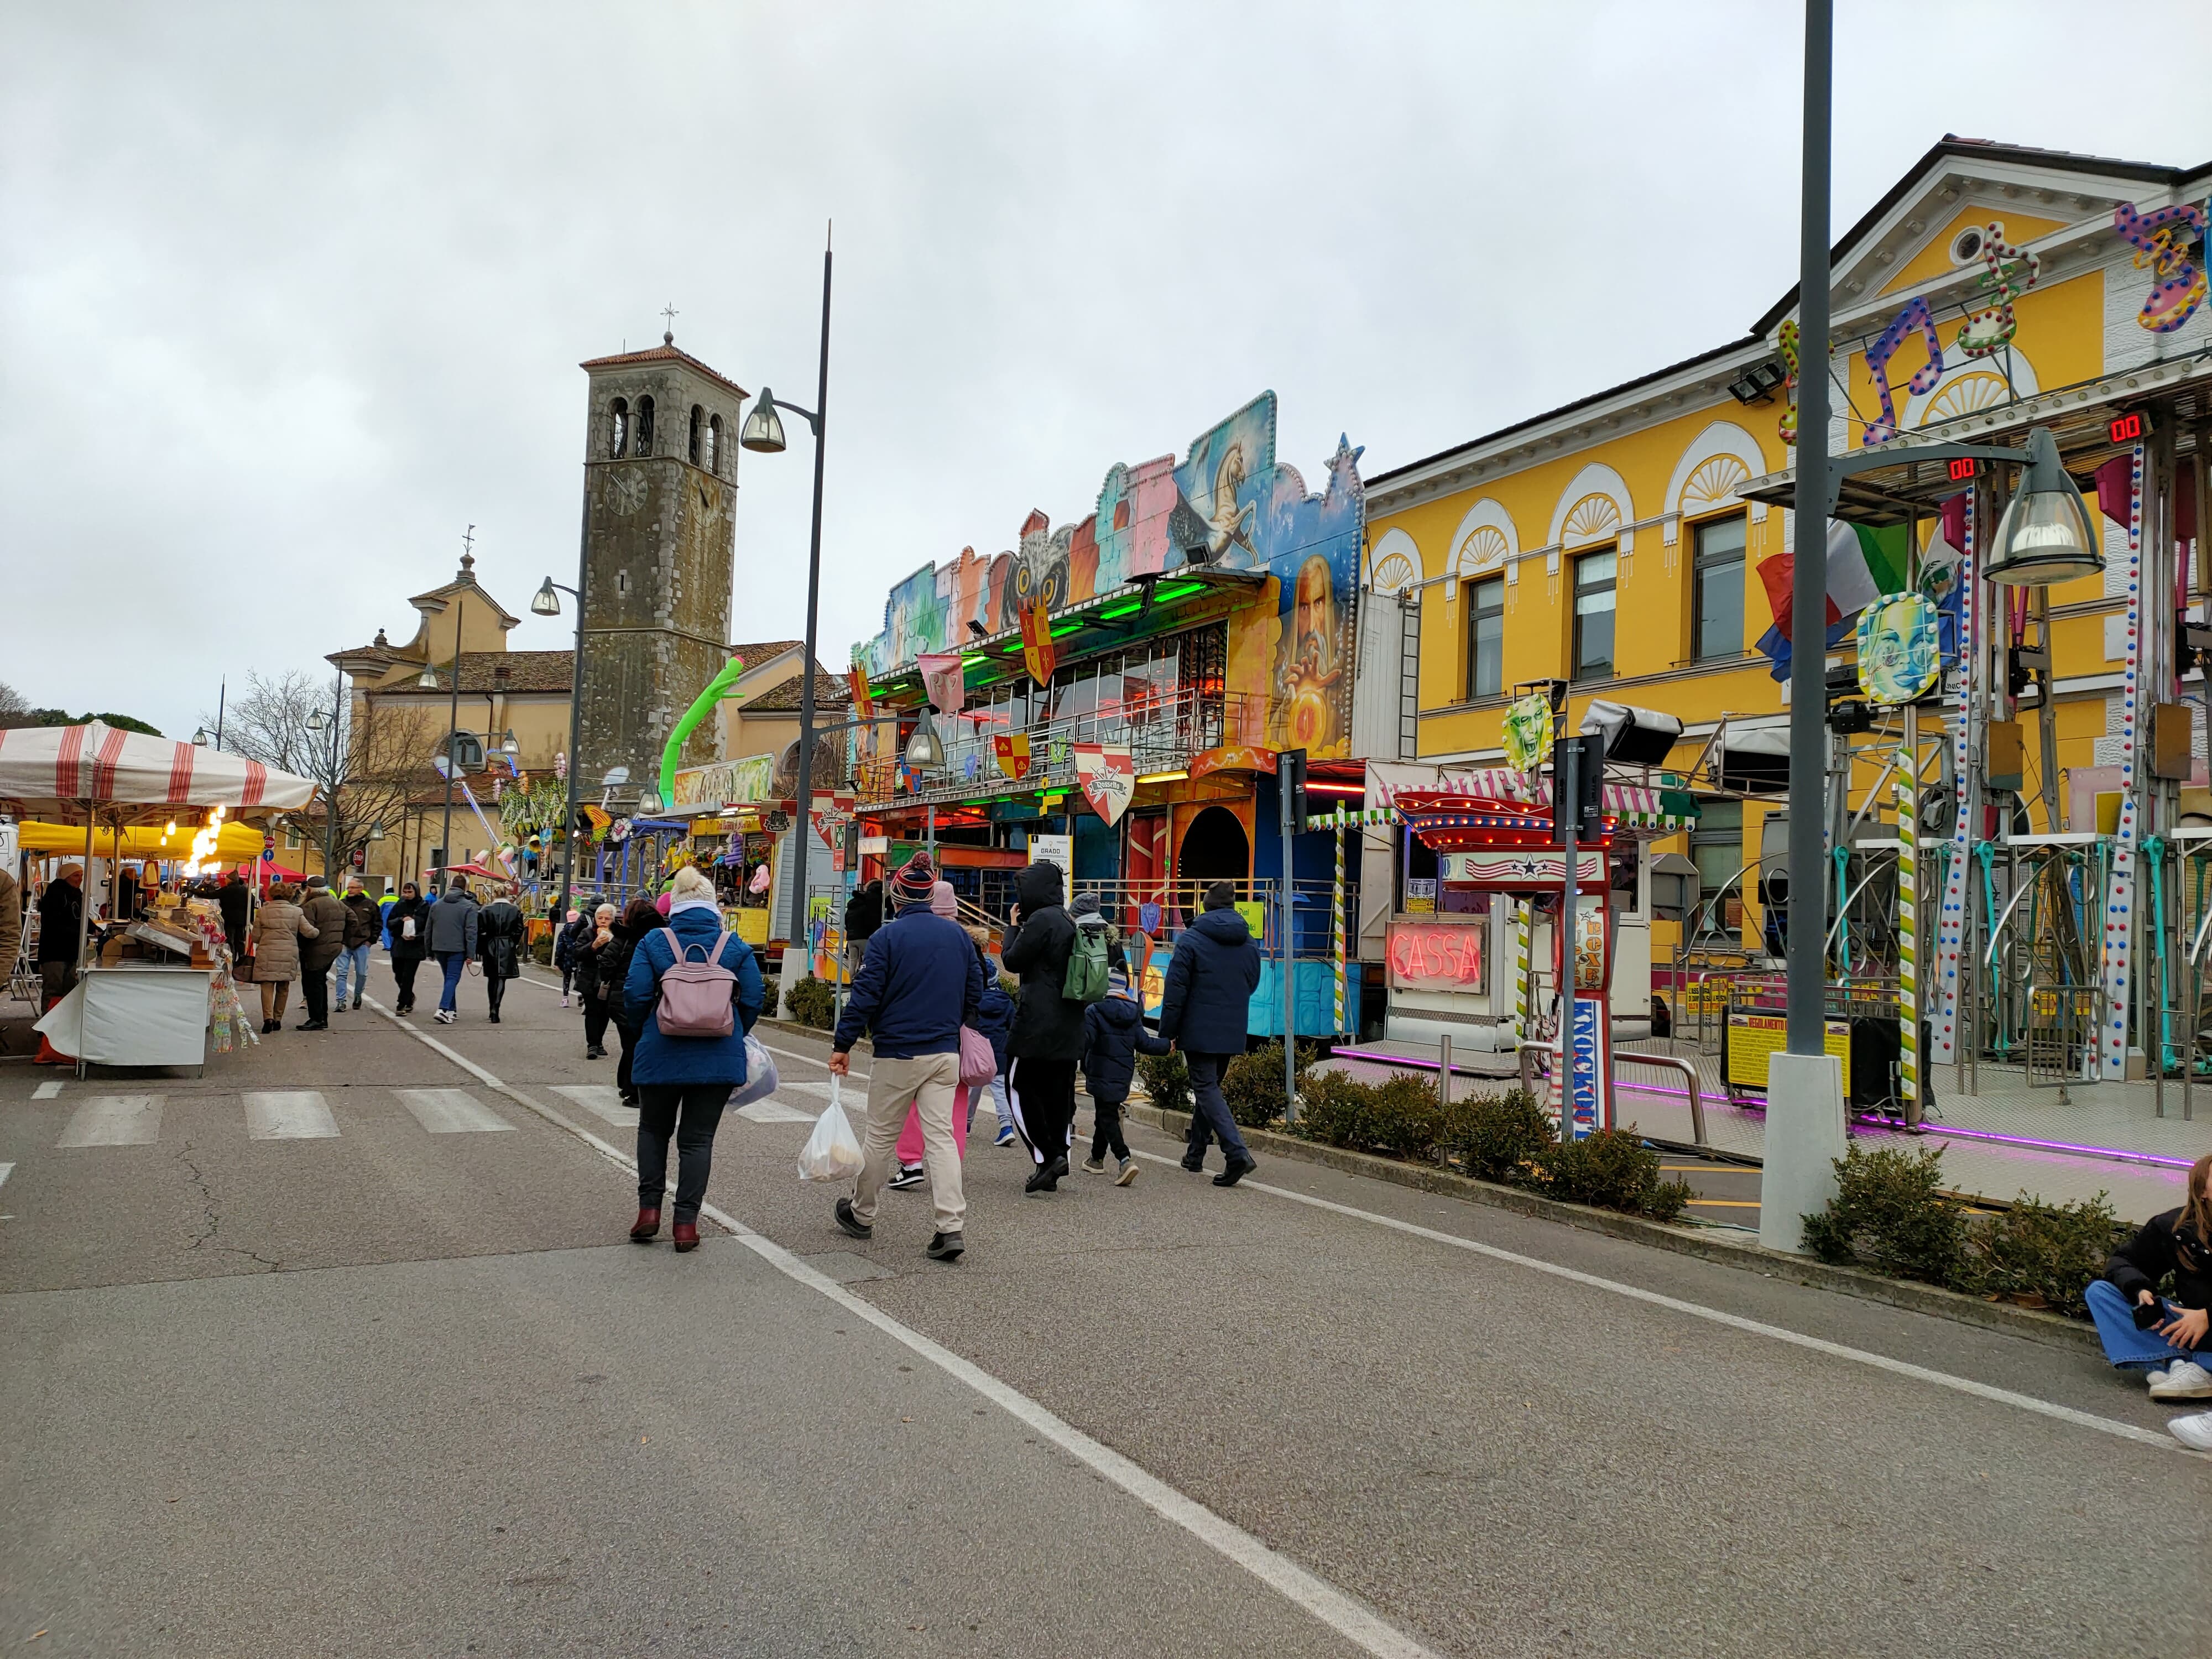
[11,700]
[364,766]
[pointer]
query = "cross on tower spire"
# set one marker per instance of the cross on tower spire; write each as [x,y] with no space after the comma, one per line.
[468,553]
[669,314]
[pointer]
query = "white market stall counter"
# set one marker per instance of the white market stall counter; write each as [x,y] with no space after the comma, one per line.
[135,1015]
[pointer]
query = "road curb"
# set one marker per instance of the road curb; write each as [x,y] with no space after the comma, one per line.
[1708,1244]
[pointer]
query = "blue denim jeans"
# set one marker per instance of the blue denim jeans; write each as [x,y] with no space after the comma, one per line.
[1212,1120]
[357,959]
[2124,1346]
[452,962]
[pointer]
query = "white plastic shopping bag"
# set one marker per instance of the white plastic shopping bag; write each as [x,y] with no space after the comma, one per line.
[760,1074]
[831,1152]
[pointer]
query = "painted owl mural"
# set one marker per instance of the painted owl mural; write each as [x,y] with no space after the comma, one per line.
[1230,505]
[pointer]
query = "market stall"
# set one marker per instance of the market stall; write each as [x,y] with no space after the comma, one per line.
[139,1004]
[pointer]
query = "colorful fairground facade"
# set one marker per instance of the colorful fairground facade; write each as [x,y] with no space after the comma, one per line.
[2018,822]
[1113,695]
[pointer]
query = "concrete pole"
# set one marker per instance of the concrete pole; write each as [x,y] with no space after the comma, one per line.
[1804,1088]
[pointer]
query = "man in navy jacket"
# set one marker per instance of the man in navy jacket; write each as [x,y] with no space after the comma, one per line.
[1205,1011]
[920,982]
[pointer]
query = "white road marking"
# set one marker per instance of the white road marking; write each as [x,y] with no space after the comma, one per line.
[289,1115]
[1347,1616]
[772,1110]
[7,1169]
[451,1111]
[602,1098]
[114,1120]
[47,1090]
[1736,1322]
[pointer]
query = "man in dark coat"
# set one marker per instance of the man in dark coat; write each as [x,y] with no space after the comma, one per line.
[1046,1043]
[235,898]
[499,929]
[1205,1011]
[61,912]
[920,982]
[327,916]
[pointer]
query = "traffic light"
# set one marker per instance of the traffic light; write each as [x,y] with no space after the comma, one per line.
[1589,803]
[1291,774]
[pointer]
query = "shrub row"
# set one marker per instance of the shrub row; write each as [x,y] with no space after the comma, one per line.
[1891,1214]
[814,1002]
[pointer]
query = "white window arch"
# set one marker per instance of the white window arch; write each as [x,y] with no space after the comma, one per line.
[1718,459]
[1593,507]
[1486,540]
[1394,563]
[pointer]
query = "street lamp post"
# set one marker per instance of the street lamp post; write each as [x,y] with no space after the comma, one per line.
[546,602]
[763,432]
[319,721]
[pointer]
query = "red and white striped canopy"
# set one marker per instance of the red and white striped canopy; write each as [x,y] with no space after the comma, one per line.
[49,768]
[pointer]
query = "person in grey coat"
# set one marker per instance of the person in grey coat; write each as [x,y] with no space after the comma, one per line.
[452,941]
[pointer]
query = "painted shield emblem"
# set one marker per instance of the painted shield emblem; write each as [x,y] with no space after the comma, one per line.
[1013,754]
[1108,777]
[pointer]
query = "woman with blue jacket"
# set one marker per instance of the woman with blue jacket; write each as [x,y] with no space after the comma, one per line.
[684,1082]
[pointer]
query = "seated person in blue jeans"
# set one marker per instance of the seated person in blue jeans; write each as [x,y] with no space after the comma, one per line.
[2166,1341]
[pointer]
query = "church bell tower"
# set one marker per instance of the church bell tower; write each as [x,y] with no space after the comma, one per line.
[660,478]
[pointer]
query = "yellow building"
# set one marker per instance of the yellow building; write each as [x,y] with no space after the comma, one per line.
[1618,542]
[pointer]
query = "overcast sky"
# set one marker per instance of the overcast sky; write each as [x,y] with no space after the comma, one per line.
[289,294]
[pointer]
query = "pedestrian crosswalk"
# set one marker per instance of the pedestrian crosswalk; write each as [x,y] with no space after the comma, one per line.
[276,1115]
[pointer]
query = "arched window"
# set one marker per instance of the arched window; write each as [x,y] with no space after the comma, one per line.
[644,427]
[618,419]
[698,423]
[714,462]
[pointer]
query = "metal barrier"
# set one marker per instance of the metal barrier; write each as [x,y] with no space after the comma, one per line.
[1527,1053]
[2063,1024]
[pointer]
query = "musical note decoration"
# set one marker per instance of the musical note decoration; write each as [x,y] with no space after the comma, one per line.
[1915,315]
[2011,272]
[2169,242]
[1787,425]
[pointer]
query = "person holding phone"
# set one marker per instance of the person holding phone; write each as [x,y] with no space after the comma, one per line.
[2164,1338]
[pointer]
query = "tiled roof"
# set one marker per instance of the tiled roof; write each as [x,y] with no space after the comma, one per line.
[761,651]
[829,691]
[665,352]
[526,671]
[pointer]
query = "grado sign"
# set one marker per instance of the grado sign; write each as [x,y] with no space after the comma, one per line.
[1437,955]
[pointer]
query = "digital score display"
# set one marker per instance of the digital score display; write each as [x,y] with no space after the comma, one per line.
[2131,427]
[1964,468]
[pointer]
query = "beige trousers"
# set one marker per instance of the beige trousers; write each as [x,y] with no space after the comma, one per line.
[927,1082]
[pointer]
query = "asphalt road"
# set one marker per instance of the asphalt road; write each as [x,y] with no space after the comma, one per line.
[340,1351]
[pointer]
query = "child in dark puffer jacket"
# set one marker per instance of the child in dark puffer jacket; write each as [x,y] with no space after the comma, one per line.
[1114,1036]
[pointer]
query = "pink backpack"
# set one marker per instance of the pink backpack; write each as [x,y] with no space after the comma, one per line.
[696,998]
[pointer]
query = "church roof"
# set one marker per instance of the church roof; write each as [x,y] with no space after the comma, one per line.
[665,352]
[829,691]
[526,671]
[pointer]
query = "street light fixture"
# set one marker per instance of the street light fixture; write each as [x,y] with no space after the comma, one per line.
[545,602]
[925,750]
[2046,535]
[762,432]
[200,738]
[507,745]
[649,804]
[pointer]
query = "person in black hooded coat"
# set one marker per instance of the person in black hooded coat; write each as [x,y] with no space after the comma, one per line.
[1048,1039]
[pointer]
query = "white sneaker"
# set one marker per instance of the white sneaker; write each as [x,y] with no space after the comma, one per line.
[2154,1376]
[2193,1431]
[2184,1380]
[445,1016]
[564,995]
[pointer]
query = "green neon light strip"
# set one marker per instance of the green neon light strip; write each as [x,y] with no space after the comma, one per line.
[1183,592]
[1120,611]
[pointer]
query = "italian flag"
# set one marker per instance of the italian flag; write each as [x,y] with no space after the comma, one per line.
[1863,564]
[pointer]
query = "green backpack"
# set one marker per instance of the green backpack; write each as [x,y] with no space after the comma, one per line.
[1086,967]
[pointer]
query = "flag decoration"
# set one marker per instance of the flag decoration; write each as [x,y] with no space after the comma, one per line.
[864,699]
[1943,572]
[1037,652]
[1012,750]
[1108,773]
[1865,562]
[1528,733]
[942,680]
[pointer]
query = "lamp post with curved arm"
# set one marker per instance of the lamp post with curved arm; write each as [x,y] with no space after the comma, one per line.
[546,602]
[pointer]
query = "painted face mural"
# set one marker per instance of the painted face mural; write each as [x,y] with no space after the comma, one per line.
[1230,505]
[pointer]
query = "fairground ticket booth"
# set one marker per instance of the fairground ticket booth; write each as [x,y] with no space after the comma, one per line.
[1493,902]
